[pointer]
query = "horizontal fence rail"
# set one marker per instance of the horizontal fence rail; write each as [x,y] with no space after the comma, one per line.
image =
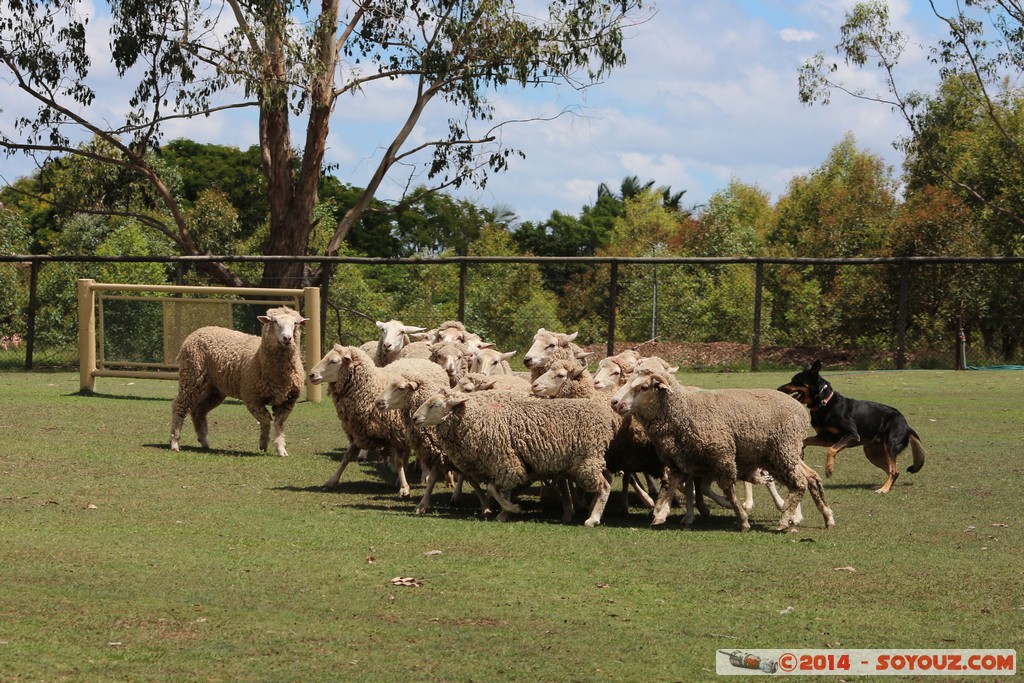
[464,263]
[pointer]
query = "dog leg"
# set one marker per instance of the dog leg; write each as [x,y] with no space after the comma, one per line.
[880,457]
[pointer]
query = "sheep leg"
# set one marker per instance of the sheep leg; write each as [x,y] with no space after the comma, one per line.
[716,498]
[604,490]
[364,455]
[200,410]
[748,496]
[263,416]
[818,494]
[400,460]
[336,477]
[565,496]
[634,481]
[177,419]
[729,489]
[281,413]
[432,476]
[663,506]
[507,506]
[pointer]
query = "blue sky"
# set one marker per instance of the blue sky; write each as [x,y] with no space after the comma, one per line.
[709,93]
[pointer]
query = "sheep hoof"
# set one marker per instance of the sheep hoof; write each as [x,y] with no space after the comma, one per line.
[592,523]
[404,492]
[175,447]
[420,509]
[503,516]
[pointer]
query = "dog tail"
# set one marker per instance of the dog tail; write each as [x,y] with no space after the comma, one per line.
[915,445]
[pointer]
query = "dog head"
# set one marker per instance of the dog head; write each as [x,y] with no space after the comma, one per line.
[806,385]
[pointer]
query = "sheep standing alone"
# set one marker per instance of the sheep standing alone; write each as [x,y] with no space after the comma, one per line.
[725,435]
[216,362]
[354,383]
[506,440]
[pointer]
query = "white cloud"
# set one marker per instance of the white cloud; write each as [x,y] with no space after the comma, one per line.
[793,35]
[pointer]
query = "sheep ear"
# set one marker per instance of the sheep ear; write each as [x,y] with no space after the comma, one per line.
[506,356]
[486,384]
[418,336]
[576,371]
[485,345]
[380,325]
[584,356]
[455,400]
[674,369]
[570,337]
[409,329]
[662,384]
[263,318]
[412,385]
[303,321]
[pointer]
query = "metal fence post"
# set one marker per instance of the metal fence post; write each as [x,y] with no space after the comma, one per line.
[613,295]
[755,344]
[463,272]
[901,315]
[33,284]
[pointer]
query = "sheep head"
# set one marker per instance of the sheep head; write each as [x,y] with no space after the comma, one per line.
[488,361]
[394,335]
[436,408]
[642,391]
[550,383]
[282,325]
[544,344]
[396,394]
[329,368]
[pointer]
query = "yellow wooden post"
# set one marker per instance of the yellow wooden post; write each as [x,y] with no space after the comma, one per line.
[86,335]
[311,296]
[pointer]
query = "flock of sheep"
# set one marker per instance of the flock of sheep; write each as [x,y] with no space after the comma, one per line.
[451,399]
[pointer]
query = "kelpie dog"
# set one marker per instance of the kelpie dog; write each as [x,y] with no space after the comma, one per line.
[842,422]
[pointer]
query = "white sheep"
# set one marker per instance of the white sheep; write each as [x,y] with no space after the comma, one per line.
[394,335]
[723,435]
[217,362]
[548,346]
[474,381]
[630,452]
[453,357]
[490,361]
[614,370]
[405,394]
[354,383]
[505,440]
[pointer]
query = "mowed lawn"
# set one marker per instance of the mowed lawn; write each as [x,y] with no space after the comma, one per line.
[121,560]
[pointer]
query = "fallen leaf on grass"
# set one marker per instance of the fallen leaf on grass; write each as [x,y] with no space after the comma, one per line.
[786,611]
[90,506]
[603,585]
[844,569]
[371,560]
[405,581]
[432,552]
[1001,525]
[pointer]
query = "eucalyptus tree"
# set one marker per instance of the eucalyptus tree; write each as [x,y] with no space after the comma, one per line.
[295,63]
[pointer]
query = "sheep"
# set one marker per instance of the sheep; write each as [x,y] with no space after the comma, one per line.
[505,440]
[354,383]
[448,331]
[416,349]
[394,335]
[548,346]
[474,381]
[405,393]
[614,370]
[217,362]
[490,361]
[630,452]
[451,356]
[619,370]
[725,435]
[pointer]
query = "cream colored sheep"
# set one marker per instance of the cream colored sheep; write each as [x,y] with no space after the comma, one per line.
[505,440]
[217,362]
[490,361]
[354,382]
[724,435]
[394,335]
[453,357]
[549,346]
[474,381]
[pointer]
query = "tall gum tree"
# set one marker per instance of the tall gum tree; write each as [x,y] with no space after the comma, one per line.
[293,61]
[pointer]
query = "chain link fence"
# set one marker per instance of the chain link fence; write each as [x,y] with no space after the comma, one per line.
[884,312]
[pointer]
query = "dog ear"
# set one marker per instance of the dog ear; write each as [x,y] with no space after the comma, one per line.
[807,367]
[816,368]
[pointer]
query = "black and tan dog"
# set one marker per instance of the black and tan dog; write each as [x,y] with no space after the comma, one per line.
[841,422]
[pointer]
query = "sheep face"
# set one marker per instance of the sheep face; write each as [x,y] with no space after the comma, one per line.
[610,374]
[640,392]
[393,334]
[544,342]
[654,364]
[468,385]
[550,383]
[282,324]
[396,394]
[450,334]
[474,342]
[329,368]
[436,408]
[489,361]
[450,356]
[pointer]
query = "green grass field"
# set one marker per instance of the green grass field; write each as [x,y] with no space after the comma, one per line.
[121,560]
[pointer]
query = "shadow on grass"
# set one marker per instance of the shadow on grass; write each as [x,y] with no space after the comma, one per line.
[211,451]
[93,394]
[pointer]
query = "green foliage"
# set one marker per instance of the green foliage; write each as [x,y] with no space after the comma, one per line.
[13,292]
[509,302]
